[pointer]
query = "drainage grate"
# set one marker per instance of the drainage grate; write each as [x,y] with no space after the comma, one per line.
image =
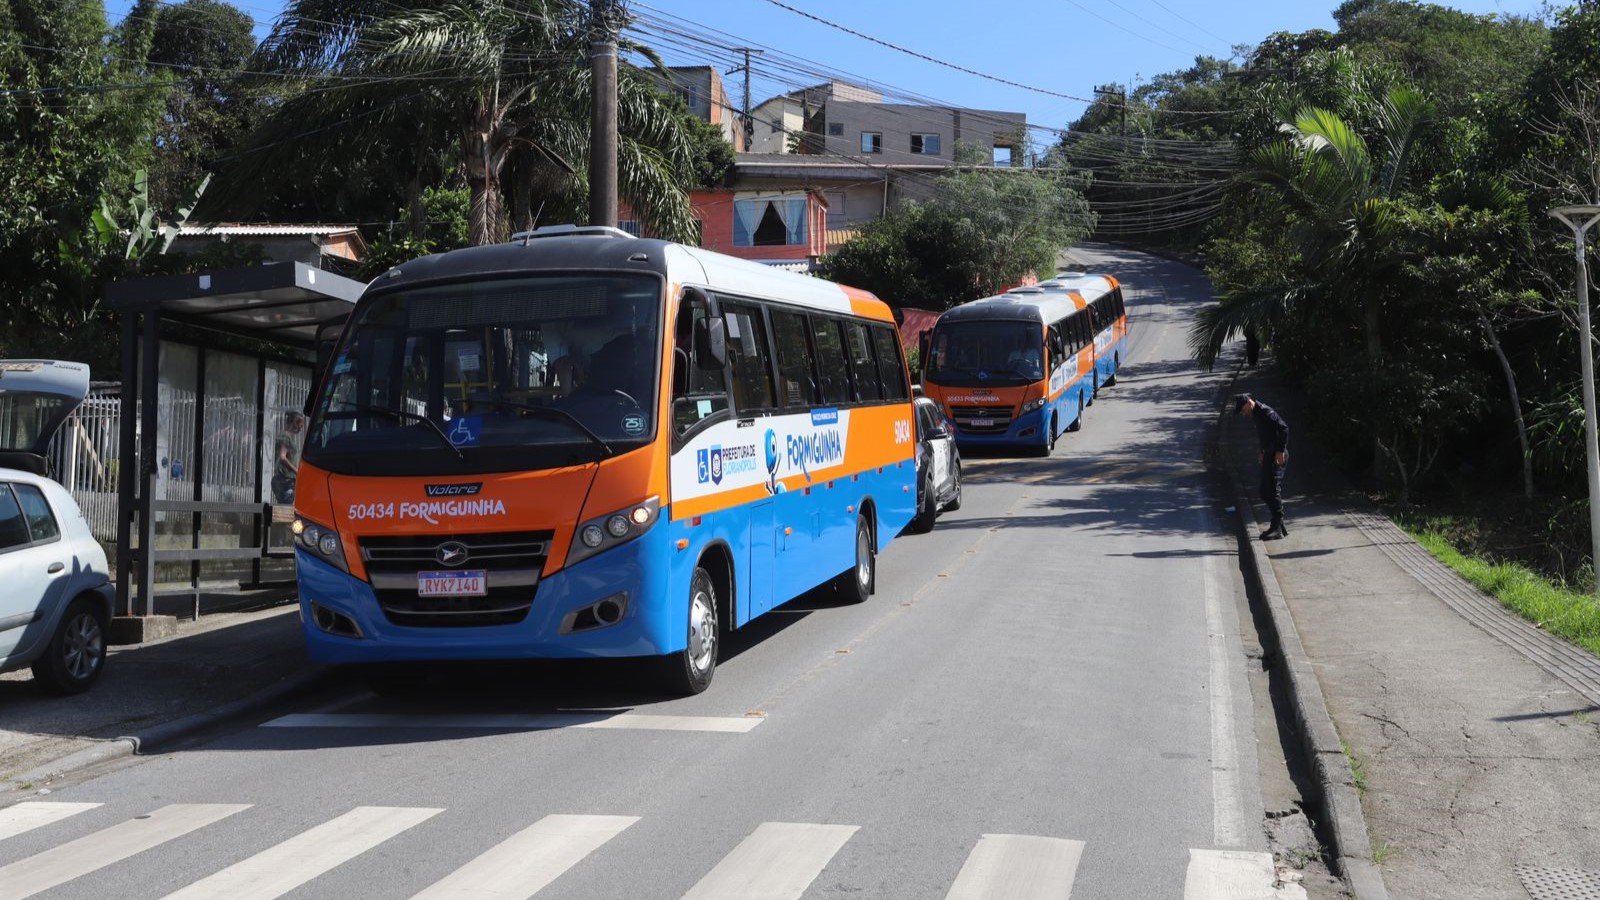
[1559,884]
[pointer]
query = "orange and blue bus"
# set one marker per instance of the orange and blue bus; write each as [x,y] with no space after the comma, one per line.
[583,444]
[1018,369]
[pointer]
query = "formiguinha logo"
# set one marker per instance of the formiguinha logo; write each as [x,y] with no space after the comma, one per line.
[430,510]
[808,451]
[453,490]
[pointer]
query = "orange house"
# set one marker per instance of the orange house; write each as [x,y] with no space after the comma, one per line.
[787,228]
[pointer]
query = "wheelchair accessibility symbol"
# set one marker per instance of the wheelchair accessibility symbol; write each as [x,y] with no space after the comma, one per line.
[466,432]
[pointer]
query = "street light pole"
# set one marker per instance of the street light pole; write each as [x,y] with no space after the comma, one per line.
[1580,219]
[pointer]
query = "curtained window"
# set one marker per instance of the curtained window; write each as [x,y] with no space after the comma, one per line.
[770,222]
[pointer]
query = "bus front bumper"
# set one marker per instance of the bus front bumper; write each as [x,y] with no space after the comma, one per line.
[634,575]
[1027,429]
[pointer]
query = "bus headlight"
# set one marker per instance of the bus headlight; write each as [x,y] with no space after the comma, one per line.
[604,532]
[320,540]
[1034,404]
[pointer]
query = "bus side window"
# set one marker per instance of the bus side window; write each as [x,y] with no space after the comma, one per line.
[747,358]
[1058,348]
[833,376]
[858,345]
[891,370]
[697,392]
[797,386]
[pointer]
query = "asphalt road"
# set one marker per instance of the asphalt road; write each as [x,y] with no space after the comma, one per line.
[1046,698]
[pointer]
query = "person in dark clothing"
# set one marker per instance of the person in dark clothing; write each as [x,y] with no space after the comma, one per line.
[1252,346]
[1273,433]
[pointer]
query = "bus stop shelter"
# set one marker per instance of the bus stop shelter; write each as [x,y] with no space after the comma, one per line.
[197,415]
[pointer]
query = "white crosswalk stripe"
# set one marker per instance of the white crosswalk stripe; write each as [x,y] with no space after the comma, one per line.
[31,814]
[521,865]
[528,722]
[279,870]
[73,859]
[1235,875]
[778,861]
[775,861]
[1018,867]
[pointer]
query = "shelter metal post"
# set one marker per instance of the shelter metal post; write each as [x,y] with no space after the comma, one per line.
[149,464]
[127,452]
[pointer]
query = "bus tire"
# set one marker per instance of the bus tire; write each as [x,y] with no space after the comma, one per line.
[858,582]
[1050,446]
[928,508]
[689,671]
[1116,363]
[1095,394]
[1078,422]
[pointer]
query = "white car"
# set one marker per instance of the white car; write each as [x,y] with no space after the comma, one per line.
[938,465]
[55,586]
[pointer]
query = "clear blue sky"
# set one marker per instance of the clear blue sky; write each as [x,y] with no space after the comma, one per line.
[1065,46]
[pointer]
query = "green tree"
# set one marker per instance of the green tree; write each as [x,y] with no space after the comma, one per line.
[503,85]
[985,228]
[75,119]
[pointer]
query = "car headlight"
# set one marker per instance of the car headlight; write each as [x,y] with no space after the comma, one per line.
[604,532]
[1034,404]
[319,540]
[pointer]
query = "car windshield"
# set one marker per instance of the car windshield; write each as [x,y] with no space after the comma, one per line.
[450,377]
[972,354]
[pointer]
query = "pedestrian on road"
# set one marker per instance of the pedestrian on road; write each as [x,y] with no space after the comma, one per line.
[1273,433]
[1252,346]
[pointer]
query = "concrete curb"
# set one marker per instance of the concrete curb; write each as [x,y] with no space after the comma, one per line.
[1331,775]
[167,732]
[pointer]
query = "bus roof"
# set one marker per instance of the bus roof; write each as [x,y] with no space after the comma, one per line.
[1024,306]
[1089,287]
[596,250]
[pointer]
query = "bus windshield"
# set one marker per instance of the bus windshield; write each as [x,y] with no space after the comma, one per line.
[973,354]
[493,375]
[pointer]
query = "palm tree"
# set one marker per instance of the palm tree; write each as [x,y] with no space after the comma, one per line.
[500,86]
[1342,205]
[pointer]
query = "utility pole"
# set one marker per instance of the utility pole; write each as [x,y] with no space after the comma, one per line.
[1580,219]
[1122,94]
[605,22]
[747,125]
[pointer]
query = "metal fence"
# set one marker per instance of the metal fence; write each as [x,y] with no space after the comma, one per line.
[84,458]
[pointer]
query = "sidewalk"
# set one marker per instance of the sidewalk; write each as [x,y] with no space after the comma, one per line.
[1475,737]
[210,669]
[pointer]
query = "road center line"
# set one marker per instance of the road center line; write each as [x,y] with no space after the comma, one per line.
[520,722]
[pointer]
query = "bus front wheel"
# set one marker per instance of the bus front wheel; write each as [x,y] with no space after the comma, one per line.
[858,583]
[689,670]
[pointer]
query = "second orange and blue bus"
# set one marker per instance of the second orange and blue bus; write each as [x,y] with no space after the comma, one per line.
[1018,369]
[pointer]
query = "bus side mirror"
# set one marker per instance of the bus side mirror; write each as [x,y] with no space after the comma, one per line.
[711,344]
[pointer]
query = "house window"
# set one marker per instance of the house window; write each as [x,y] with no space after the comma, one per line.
[775,222]
[835,129]
[871,142]
[927,144]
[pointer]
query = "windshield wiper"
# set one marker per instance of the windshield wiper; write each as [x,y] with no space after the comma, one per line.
[551,412]
[404,416]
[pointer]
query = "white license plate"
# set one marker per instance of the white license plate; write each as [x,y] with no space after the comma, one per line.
[452,584]
[982,423]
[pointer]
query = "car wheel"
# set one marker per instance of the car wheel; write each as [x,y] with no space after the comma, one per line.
[857,583]
[689,671]
[77,651]
[955,498]
[927,504]
[1078,422]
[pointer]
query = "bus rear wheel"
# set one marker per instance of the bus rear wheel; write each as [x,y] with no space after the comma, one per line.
[1116,363]
[689,671]
[1077,423]
[857,583]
